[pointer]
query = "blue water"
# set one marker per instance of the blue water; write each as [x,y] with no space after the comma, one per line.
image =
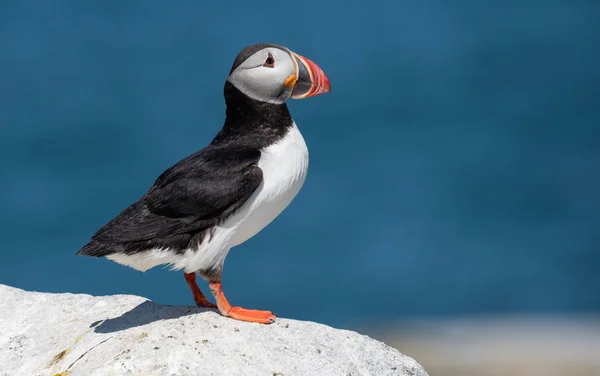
[455,166]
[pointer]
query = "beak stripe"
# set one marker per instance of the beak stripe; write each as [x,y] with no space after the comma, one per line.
[311,79]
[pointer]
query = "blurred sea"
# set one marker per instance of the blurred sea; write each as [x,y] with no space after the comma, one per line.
[455,166]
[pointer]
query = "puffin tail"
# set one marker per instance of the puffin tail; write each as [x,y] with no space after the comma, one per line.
[94,249]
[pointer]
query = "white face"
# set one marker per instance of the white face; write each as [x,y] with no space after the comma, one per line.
[263,75]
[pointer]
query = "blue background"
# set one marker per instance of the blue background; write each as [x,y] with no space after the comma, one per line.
[455,166]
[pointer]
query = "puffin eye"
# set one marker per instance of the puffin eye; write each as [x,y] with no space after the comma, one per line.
[269,62]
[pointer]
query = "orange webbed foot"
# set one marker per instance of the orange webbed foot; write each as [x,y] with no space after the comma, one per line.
[239,313]
[251,315]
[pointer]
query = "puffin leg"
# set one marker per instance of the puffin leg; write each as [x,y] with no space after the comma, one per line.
[199,297]
[238,313]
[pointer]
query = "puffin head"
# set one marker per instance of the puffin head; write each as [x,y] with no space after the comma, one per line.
[273,74]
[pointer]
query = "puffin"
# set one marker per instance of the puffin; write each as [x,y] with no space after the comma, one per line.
[224,194]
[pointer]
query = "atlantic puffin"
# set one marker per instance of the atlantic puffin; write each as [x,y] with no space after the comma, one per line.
[224,194]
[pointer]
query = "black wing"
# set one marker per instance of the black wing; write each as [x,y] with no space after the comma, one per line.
[186,200]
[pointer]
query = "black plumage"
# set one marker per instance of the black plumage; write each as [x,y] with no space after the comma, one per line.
[203,189]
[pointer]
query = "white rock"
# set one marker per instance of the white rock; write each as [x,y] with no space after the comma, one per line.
[68,334]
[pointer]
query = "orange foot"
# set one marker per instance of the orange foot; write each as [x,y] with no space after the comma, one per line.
[199,297]
[238,313]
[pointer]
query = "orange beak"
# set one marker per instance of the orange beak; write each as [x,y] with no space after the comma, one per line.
[311,80]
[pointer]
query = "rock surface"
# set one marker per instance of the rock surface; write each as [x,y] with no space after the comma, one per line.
[76,334]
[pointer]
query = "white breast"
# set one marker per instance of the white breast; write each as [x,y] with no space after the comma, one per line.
[284,166]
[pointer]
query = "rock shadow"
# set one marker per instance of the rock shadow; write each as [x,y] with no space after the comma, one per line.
[145,313]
